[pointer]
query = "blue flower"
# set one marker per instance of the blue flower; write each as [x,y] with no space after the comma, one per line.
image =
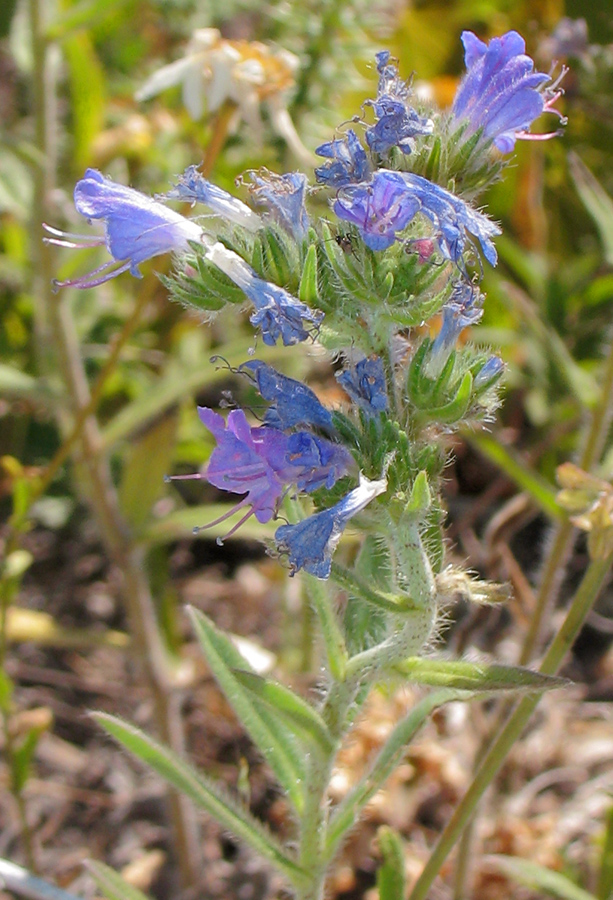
[463,308]
[349,162]
[136,228]
[284,196]
[397,122]
[319,463]
[452,217]
[293,403]
[387,204]
[193,187]
[311,543]
[501,92]
[365,384]
[277,314]
[489,373]
[379,208]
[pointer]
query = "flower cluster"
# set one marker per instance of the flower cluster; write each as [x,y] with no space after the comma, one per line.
[412,252]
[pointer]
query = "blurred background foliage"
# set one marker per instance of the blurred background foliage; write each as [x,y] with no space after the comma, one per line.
[555,268]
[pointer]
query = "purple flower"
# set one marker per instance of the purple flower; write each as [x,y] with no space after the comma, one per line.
[193,187]
[284,197]
[277,314]
[311,543]
[293,403]
[501,92]
[365,384]
[246,461]
[262,463]
[380,208]
[349,162]
[397,122]
[463,308]
[136,228]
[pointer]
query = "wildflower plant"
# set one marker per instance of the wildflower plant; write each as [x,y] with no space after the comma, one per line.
[387,282]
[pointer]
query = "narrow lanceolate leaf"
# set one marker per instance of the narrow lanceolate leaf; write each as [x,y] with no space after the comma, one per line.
[391,878]
[384,764]
[596,201]
[112,884]
[534,876]
[462,675]
[205,793]
[267,730]
[298,715]
[308,291]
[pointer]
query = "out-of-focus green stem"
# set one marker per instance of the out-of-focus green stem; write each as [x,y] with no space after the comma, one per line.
[56,334]
[583,601]
[562,539]
[560,547]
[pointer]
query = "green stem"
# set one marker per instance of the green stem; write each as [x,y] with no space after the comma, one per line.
[56,334]
[336,650]
[358,588]
[561,544]
[564,534]
[582,603]
[314,818]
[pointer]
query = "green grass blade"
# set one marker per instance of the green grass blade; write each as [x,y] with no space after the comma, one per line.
[543,494]
[605,877]
[112,885]
[538,877]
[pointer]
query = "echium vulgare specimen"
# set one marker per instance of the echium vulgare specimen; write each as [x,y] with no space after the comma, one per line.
[387,282]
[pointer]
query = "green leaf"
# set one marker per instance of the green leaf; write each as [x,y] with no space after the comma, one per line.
[267,731]
[420,499]
[88,95]
[177,384]
[391,878]
[14,383]
[204,792]
[348,812]
[23,753]
[538,877]
[512,465]
[308,291]
[457,407]
[300,717]
[6,692]
[605,877]
[7,10]
[462,675]
[86,13]
[596,201]
[112,884]
[149,458]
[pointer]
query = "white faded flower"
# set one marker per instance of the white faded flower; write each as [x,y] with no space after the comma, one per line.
[246,74]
